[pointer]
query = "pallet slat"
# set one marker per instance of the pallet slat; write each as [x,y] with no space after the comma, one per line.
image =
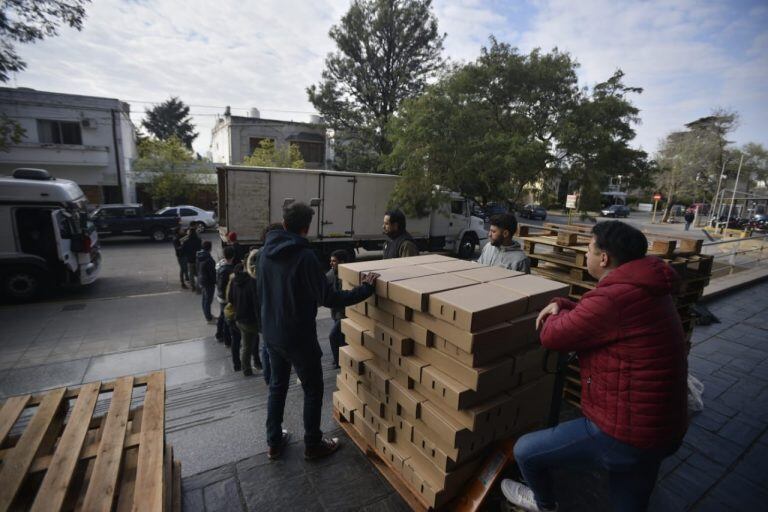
[149,472]
[10,412]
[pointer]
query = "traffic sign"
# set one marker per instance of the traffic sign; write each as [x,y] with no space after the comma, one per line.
[657,197]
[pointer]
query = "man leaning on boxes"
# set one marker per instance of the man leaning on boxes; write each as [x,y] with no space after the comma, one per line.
[632,357]
[501,250]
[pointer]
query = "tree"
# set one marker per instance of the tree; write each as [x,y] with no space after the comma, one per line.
[387,50]
[266,155]
[170,119]
[27,21]
[169,167]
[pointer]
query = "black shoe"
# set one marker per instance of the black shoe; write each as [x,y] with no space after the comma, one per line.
[275,452]
[247,372]
[237,367]
[257,364]
[325,448]
[227,343]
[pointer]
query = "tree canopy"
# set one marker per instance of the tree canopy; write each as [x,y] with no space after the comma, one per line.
[267,155]
[386,52]
[170,119]
[169,168]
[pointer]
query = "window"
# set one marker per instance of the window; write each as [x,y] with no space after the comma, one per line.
[169,213]
[313,152]
[457,207]
[188,212]
[130,212]
[59,132]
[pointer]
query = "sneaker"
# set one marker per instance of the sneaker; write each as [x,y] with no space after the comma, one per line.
[275,452]
[326,447]
[521,495]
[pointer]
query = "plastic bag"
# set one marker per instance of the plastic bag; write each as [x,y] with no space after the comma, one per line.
[695,395]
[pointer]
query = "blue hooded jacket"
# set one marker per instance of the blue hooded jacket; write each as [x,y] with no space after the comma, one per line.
[291,285]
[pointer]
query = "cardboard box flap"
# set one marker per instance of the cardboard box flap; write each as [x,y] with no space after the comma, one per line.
[488,274]
[353,331]
[454,265]
[350,272]
[352,358]
[393,339]
[539,290]
[415,292]
[398,274]
[479,306]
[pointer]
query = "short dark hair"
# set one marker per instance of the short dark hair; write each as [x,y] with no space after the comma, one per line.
[297,217]
[397,216]
[341,255]
[504,221]
[207,245]
[229,252]
[272,227]
[621,241]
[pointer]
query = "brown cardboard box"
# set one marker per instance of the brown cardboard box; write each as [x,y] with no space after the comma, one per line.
[350,272]
[393,308]
[453,433]
[394,340]
[486,339]
[451,391]
[371,400]
[478,307]
[360,306]
[375,346]
[528,408]
[348,381]
[415,292]
[488,274]
[379,424]
[381,316]
[425,258]
[352,358]
[367,429]
[414,331]
[492,378]
[539,290]
[344,405]
[377,378]
[454,265]
[365,322]
[398,274]
[389,452]
[398,375]
[404,400]
[352,331]
[409,365]
[422,467]
[422,431]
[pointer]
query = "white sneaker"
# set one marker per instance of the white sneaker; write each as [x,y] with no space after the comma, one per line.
[520,495]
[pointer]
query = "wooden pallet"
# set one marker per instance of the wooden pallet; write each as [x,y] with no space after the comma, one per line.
[65,458]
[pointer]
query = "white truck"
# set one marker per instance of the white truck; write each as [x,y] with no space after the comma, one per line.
[46,238]
[349,206]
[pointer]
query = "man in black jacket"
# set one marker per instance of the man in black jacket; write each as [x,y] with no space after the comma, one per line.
[291,286]
[400,243]
[224,269]
[178,237]
[190,245]
[206,275]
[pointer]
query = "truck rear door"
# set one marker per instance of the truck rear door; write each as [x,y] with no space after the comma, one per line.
[338,206]
[63,231]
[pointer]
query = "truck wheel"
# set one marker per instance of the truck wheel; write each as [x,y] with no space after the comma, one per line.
[158,234]
[467,247]
[22,283]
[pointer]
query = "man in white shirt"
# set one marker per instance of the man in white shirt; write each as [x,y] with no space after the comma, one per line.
[502,250]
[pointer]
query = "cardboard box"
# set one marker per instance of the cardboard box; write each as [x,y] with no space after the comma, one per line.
[353,332]
[453,433]
[365,322]
[507,341]
[399,311]
[478,307]
[360,308]
[394,340]
[352,358]
[378,423]
[367,430]
[494,377]
[415,292]
[471,342]
[350,272]
[528,408]
[423,468]
[454,265]
[424,258]
[372,401]
[539,290]
[404,400]
[398,375]
[414,331]
[459,456]
[488,274]
[345,380]
[376,347]
[381,316]
[399,274]
[344,405]
[389,452]
[377,378]
[409,365]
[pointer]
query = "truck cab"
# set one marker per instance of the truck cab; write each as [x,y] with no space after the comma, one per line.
[46,238]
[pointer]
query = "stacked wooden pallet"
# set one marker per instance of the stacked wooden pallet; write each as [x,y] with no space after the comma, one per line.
[442,361]
[559,251]
[57,454]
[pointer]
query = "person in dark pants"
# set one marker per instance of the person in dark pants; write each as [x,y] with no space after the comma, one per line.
[243,296]
[336,337]
[241,252]
[180,258]
[689,216]
[190,245]
[224,269]
[206,275]
[400,243]
[291,286]
[234,332]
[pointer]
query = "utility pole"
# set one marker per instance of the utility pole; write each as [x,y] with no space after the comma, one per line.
[733,197]
[713,214]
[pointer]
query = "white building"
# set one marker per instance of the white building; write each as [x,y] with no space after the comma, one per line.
[233,138]
[87,139]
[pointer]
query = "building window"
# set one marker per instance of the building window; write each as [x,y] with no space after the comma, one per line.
[59,132]
[254,144]
[311,152]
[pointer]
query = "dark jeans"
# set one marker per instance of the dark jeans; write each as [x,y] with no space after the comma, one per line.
[183,270]
[310,371]
[266,367]
[222,329]
[687,225]
[579,444]
[249,343]
[336,337]
[192,271]
[234,334]
[208,293]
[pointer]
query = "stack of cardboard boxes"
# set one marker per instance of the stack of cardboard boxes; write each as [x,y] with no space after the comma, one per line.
[442,361]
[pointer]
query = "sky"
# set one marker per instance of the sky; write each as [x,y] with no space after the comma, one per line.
[689,57]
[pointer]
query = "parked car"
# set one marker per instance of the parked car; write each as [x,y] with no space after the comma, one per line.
[130,219]
[492,209]
[533,211]
[615,210]
[190,216]
[759,222]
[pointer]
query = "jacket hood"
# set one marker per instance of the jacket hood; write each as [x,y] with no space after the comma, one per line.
[203,255]
[514,246]
[280,243]
[650,272]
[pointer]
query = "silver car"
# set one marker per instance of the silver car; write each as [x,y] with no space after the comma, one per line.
[190,216]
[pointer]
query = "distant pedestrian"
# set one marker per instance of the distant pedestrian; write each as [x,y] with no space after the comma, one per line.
[400,243]
[243,296]
[180,258]
[336,337]
[206,274]
[240,252]
[689,216]
[502,250]
[190,245]
[224,269]
[234,332]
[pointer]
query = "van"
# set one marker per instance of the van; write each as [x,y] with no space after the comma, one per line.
[46,239]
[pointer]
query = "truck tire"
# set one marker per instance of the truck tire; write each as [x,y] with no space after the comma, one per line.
[467,246]
[22,283]
[158,234]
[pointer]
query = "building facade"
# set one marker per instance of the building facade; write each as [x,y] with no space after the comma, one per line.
[234,137]
[87,139]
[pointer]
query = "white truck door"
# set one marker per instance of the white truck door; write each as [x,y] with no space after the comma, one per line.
[338,206]
[62,229]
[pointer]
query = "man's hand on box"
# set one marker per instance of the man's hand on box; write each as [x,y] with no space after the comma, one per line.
[551,309]
[370,278]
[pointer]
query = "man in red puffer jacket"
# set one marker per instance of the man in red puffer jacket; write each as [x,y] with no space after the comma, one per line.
[631,348]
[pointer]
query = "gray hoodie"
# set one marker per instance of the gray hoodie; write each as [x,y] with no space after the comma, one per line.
[511,257]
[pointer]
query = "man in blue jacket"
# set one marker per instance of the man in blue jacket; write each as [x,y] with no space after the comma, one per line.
[291,286]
